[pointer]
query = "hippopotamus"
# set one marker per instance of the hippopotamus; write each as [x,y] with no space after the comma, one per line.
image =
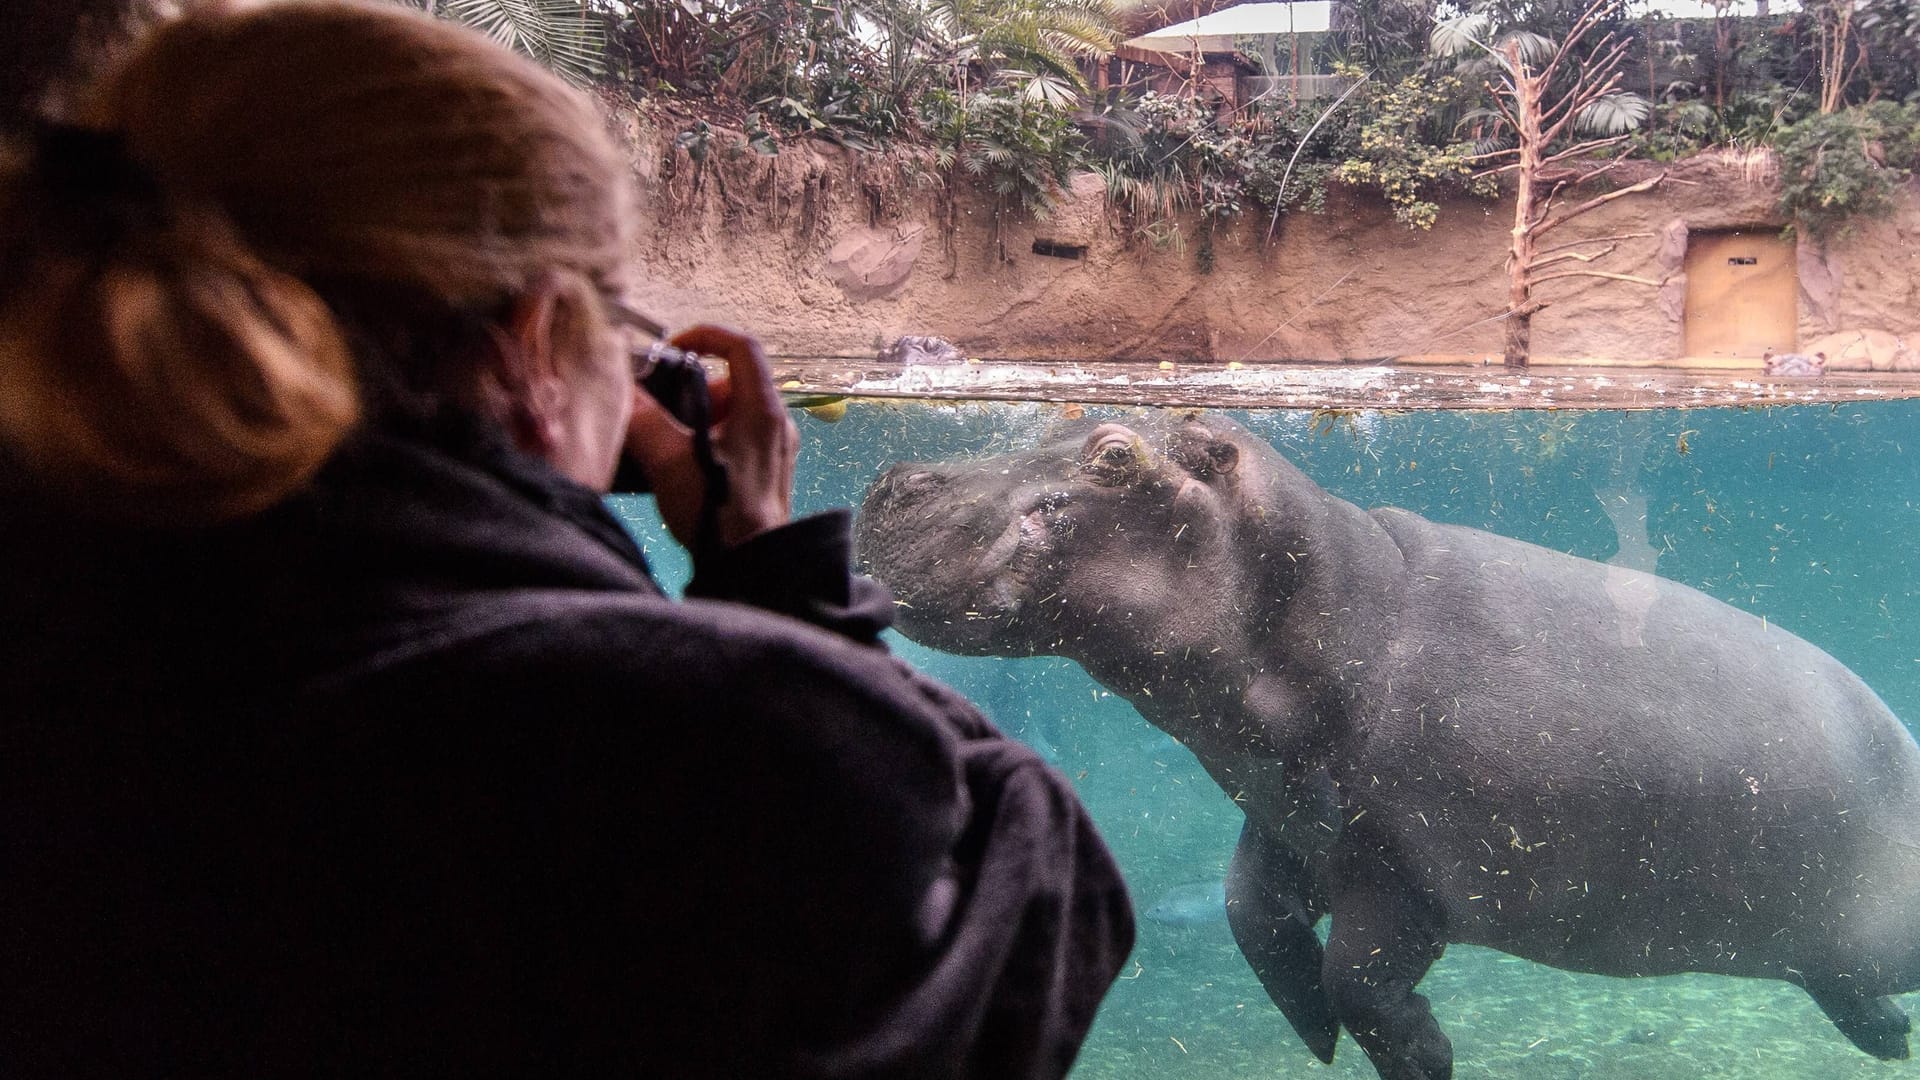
[921,349]
[1797,365]
[1437,734]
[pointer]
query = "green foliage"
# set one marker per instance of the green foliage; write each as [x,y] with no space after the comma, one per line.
[1146,150]
[1838,166]
[1407,168]
[1021,151]
[697,141]
[565,35]
[1891,33]
[1385,36]
[1034,40]
[1679,129]
[1164,155]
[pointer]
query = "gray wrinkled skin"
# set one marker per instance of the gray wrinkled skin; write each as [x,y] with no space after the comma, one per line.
[920,349]
[1437,734]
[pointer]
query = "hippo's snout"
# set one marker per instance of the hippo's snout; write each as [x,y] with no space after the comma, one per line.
[899,500]
[955,545]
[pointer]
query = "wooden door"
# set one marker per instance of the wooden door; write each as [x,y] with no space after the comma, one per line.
[1742,294]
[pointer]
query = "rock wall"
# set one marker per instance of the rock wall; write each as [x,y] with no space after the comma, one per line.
[827,252]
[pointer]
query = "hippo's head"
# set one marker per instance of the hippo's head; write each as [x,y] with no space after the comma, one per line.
[1108,533]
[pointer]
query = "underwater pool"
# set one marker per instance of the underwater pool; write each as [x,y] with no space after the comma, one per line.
[1806,516]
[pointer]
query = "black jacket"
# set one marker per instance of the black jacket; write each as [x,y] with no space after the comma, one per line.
[419,774]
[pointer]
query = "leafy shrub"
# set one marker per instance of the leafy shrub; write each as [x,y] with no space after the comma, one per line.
[1406,168]
[1020,150]
[1838,166]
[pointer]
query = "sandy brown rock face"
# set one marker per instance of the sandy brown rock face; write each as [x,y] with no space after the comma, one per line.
[826,252]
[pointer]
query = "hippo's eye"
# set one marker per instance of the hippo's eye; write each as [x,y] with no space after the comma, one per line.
[1113,454]
[1111,459]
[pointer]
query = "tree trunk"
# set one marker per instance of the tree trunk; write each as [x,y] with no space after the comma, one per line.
[1526,199]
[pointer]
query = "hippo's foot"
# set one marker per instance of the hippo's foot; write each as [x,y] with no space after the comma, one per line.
[1270,905]
[1382,943]
[1874,1024]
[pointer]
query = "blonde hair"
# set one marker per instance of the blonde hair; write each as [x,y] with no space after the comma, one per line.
[188,368]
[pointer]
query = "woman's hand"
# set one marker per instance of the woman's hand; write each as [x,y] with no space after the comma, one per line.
[752,436]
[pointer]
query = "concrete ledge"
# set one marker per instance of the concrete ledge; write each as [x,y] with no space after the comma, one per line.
[1334,386]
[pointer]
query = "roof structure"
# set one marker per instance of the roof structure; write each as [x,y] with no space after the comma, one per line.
[1703,9]
[1218,32]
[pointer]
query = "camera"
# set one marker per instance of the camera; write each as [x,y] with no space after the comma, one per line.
[678,381]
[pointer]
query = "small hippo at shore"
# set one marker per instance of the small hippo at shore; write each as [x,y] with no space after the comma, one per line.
[919,349]
[1437,734]
[1793,365]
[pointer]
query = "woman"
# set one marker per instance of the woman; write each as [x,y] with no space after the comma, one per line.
[348,733]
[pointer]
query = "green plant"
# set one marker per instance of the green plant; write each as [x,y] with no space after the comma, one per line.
[1388,37]
[1837,166]
[1407,169]
[1678,129]
[696,141]
[1034,40]
[1020,151]
[567,36]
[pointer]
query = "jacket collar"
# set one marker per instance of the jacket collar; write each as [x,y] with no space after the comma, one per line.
[449,500]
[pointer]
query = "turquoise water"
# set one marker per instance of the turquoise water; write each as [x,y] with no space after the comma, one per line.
[1807,516]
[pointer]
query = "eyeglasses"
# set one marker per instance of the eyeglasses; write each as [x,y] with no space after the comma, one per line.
[648,359]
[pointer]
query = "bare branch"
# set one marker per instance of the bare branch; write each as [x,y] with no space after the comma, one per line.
[1594,203]
[1587,21]
[1586,84]
[1500,96]
[1589,147]
[1594,240]
[1599,274]
[1605,58]
[1585,98]
[1575,256]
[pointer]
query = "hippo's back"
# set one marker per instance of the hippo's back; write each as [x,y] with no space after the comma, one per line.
[1737,797]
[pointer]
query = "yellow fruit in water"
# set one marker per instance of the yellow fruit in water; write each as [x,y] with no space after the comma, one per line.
[832,412]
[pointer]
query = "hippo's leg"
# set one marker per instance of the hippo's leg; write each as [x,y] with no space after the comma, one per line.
[1270,907]
[1384,938]
[1874,1024]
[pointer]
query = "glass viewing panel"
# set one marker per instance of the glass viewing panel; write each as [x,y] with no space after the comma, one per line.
[1802,519]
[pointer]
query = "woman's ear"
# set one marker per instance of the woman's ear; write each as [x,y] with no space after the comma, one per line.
[526,384]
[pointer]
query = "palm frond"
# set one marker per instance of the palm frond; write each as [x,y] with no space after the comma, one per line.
[1534,48]
[1461,35]
[566,36]
[1614,114]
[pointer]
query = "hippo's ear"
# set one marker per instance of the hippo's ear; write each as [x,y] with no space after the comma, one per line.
[1204,454]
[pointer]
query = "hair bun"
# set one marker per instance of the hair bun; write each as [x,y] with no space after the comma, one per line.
[171,378]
